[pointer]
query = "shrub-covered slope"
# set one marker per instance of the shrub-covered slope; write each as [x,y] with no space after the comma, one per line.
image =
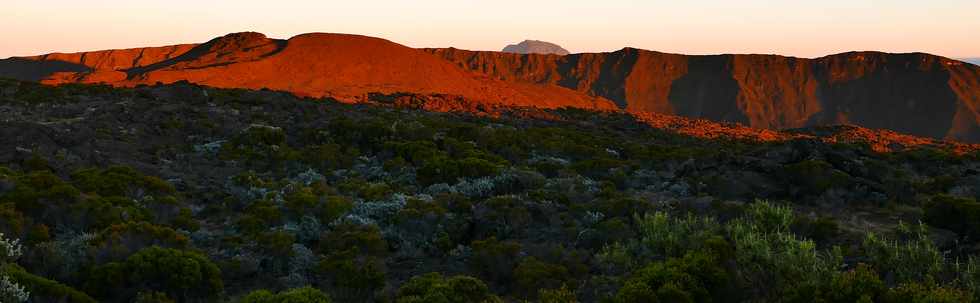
[192,194]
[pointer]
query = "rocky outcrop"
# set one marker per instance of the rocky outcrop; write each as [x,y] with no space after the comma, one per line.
[345,67]
[535,47]
[917,93]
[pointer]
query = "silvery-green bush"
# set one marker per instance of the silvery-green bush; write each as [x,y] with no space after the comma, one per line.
[10,291]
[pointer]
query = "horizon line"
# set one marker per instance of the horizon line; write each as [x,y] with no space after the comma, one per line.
[966,59]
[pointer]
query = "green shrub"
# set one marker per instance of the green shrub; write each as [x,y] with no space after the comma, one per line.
[769,217]
[375,191]
[475,167]
[153,297]
[926,293]
[102,212]
[772,263]
[259,144]
[622,207]
[353,277]
[433,287]
[36,163]
[121,181]
[560,295]
[120,240]
[185,220]
[301,199]
[814,176]
[12,221]
[417,152]
[334,207]
[443,170]
[447,170]
[699,276]
[180,274]
[960,215]
[262,135]
[598,168]
[671,237]
[860,284]
[42,289]
[821,229]
[366,239]
[615,259]
[276,243]
[532,274]
[495,259]
[857,285]
[329,156]
[295,295]
[917,259]
[503,216]
[41,193]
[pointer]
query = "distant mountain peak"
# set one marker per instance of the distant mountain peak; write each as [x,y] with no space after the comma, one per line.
[535,47]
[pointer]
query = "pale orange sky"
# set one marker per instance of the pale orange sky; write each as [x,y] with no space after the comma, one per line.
[798,28]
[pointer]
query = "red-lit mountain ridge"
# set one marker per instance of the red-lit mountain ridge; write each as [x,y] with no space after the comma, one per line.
[918,94]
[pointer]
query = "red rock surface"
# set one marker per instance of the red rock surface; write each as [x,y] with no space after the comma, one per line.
[919,94]
[878,140]
[346,67]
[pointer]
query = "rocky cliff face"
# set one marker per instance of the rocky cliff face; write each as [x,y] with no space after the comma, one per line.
[535,47]
[345,67]
[919,94]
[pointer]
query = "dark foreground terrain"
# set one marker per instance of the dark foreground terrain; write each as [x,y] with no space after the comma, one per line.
[182,193]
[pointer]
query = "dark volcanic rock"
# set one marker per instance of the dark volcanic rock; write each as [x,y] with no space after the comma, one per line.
[535,47]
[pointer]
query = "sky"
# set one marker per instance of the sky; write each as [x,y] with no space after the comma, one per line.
[949,28]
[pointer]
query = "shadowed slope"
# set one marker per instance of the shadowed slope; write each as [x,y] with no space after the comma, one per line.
[35,70]
[233,48]
[91,67]
[919,94]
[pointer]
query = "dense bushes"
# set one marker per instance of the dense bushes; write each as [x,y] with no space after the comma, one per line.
[115,195]
[259,144]
[121,181]
[433,287]
[960,215]
[369,204]
[696,277]
[814,176]
[298,295]
[353,278]
[183,275]
[44,290]
[532,274]
[495,259]
[446,170]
